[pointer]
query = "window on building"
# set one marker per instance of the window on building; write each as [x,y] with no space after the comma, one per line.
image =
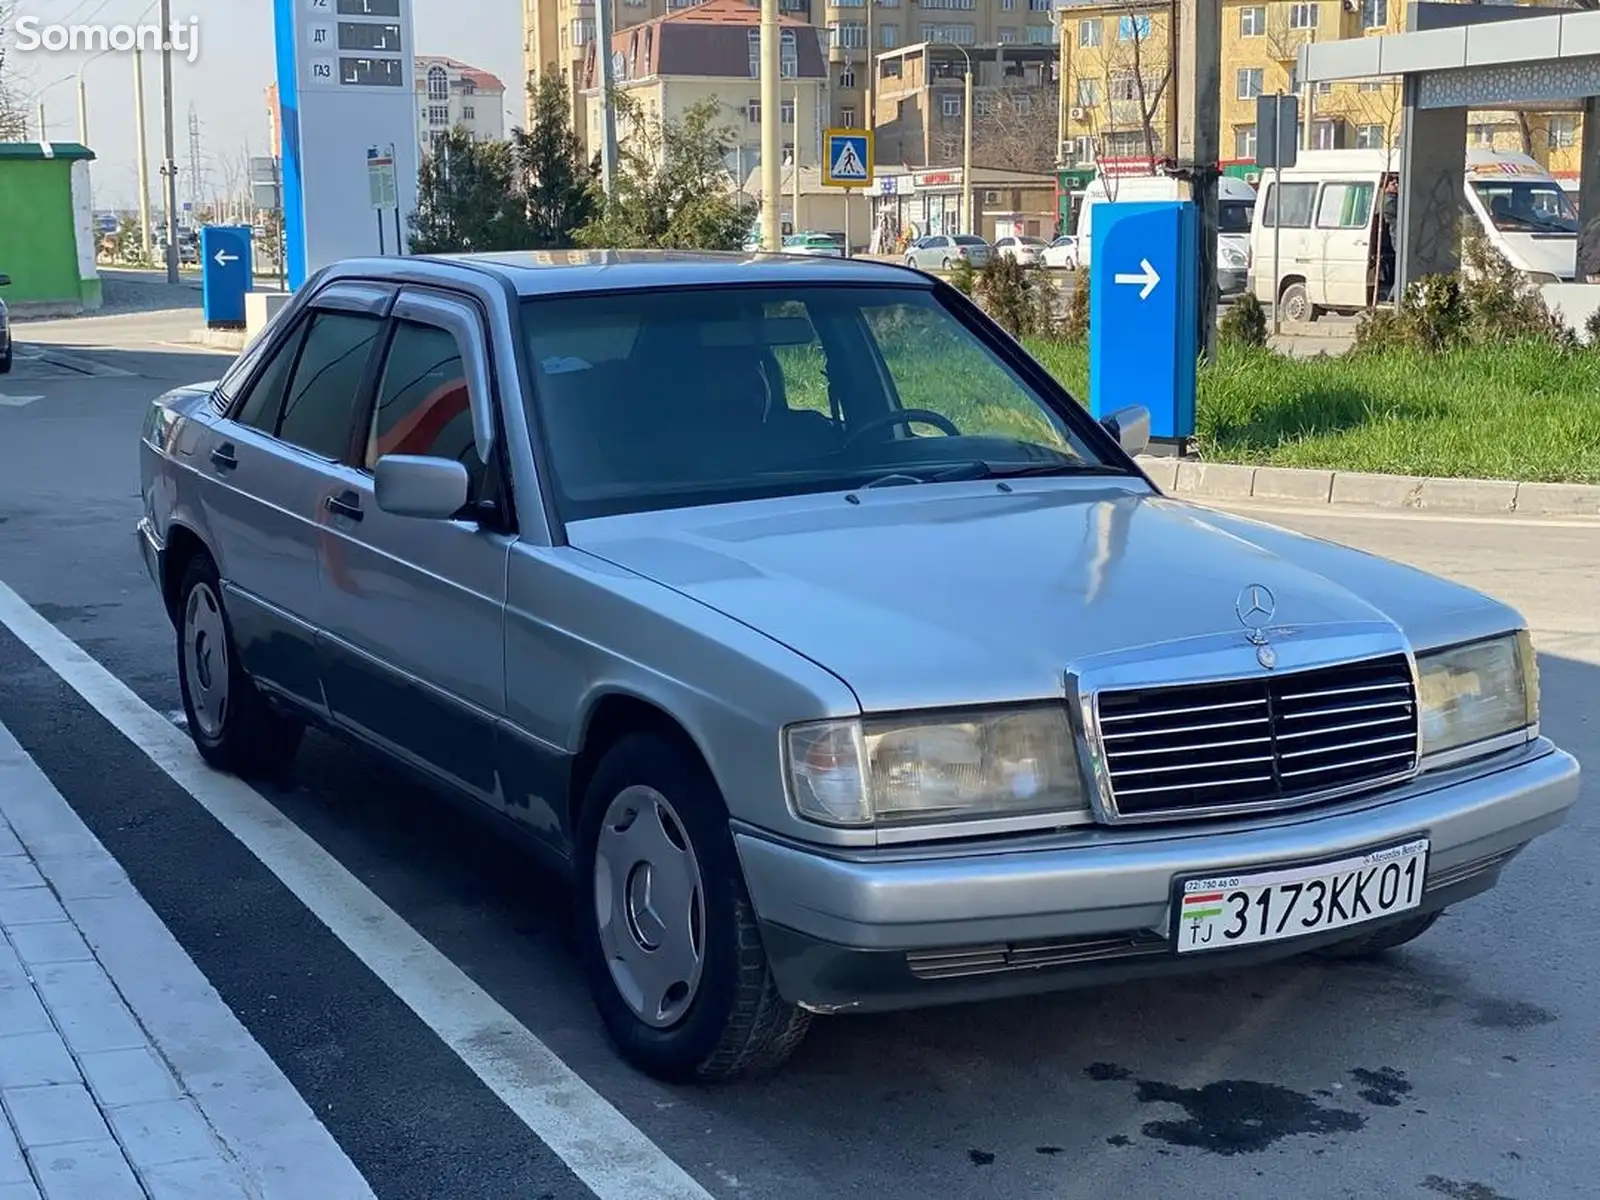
[1089,33]
[1297,201]
[1122,87]
[1370,85]
[438,115]
[468,88]
[1130,143]
[582,31]
[951,106]
[1374,14]
[1344,206]
[850,35]
[1083,149]
[1562,131]
[468,113]
[1088,92]
[786,112]
[889,36]
[1244,142]
[788,54]
[1021,103]
[752,111]
[982,105]
[1041,35]
[847,77]
[1247,83]
[1302,16]
[1008,34]
[1324,88]
[954,34]
[1481,135]
[438,84]
[1370,137]
[1133,29]
[1041,5]
[848,3]
[1327,135]
[1007,5]
[1252,21]
[847,116]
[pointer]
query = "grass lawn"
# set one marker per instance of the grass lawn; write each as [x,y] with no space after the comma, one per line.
[1523,412]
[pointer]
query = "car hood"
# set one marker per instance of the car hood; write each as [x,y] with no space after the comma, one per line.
[948,594]
[1550,254]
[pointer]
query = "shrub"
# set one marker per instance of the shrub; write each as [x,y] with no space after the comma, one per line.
[1022,301]
[963,278]
[1245,323]
[1503,306]
[1591,330]
[1075,324]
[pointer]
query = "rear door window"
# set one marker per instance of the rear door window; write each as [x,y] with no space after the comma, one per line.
[319,413]
[1344,205]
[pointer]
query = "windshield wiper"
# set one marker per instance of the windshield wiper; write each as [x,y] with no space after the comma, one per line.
[980,469]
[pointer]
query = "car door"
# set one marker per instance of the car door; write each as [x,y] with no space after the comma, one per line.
[1344,228]
[264,465]
[413,638]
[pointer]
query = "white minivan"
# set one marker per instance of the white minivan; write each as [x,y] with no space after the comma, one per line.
[1236,201]
[1328,248]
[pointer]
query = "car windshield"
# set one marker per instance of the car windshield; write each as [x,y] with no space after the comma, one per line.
[668,398]
[1032,241]
[1233,216]
[1527,206]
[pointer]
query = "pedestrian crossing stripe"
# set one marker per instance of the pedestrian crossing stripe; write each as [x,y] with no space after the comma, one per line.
[848,158]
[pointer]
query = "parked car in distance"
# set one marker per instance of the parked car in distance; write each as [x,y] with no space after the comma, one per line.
[5,331]
[1061,254]
[816,245]
[832,689]
[1026,250]
[943,251]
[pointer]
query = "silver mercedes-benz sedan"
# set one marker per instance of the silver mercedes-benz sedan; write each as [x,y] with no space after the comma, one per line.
[836,655]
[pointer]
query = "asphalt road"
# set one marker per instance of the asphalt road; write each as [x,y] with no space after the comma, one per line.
[1464,1067]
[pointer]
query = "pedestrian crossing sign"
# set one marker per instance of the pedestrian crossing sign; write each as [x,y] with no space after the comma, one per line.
[847,158]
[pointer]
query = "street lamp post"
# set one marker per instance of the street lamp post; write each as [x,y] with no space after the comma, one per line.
[966,145]
[771,178]
[169,165]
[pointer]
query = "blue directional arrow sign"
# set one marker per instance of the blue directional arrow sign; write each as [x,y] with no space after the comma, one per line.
[226,272]
[1142,312]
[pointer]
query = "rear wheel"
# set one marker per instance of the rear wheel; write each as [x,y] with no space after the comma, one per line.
[944,265]
[1381,941]
[5,362]
[667,933]
[230,721]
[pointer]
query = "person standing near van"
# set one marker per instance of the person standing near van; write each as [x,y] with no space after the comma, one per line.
[1388,214]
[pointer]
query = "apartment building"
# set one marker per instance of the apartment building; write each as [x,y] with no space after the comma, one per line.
[1116,102]
[556,32]
[451,93]
[711,51]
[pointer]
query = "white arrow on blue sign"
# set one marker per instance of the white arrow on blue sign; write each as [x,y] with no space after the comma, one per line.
[1145,276]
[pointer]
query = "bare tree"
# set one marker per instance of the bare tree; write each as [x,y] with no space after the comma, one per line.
[1365,107]
[1008,130]
[1138,68]
[13,116]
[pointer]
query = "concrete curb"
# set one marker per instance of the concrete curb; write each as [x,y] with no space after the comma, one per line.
[1294,485]
[219,339]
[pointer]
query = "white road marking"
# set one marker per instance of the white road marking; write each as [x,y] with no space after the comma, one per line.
[614,1158]
[17,401]
[1246,508]
[269,1130]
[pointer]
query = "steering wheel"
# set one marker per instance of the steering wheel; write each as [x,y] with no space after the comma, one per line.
[904,416]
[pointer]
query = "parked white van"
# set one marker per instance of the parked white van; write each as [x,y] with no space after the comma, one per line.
[1329,256]
[1236,201]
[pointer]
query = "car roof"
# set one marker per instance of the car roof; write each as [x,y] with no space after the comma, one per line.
[551,272]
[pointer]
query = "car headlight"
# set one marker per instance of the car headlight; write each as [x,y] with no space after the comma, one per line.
[1233,258]
[1477,691]
[934,767]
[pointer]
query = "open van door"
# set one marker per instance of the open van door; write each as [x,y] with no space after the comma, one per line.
[1345,230]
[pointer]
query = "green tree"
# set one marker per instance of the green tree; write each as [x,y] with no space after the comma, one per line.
[672,188]
[468,198]
[555,179]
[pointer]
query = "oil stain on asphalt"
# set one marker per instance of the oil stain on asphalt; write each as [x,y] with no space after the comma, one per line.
[1239,1116]
[1385,1086]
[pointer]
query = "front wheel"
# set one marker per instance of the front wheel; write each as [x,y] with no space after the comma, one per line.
[5,362]
[1381,941]
[1296,302]
[230,721]
[667,933]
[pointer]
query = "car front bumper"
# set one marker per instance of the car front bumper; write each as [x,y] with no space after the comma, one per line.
[862,931]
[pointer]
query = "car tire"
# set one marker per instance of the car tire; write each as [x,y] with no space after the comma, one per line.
[652,796]
[5,360]
[1380,941]
[911,261]
[229,719]
[944,265]
[1296,304]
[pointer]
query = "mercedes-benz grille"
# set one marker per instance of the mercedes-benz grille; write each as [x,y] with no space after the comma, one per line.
[1263,742]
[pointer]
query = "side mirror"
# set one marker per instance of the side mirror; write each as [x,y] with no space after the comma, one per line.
[409,485]
[1130,426]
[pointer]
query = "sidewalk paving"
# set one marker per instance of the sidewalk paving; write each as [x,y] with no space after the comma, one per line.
[122,1072]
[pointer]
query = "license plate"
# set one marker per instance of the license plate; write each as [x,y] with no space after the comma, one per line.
[1223,911]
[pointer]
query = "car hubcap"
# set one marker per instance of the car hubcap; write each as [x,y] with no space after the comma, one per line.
[650,903]
[205,659]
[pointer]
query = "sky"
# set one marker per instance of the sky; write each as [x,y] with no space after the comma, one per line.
[226,83]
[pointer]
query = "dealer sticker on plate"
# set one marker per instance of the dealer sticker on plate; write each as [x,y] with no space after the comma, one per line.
[1222,911]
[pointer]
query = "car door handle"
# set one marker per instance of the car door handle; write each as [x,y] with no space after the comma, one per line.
[224,457]
[344,505]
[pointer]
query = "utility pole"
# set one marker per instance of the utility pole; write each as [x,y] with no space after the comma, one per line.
[144,151]
[966,146]
[796,156]
[869,94]
[169,165]
[1197,75]
[195,183]
[608,115]
[83,111]
[771,163]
